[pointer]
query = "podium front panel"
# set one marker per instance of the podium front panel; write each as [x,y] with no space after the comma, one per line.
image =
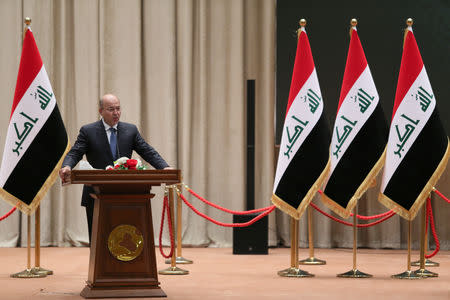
[117,259]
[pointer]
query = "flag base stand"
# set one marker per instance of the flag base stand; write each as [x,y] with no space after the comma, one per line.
[428,263]
[425,273]
[312,261]
[40,270]
[28,273]
[294,272]
[173,271]
[355,273]
[407,275]
[37,238]
[180,260]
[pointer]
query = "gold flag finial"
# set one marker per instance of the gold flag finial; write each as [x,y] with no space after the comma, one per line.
[27,22]
[302,24]
[409,23]
[353,22]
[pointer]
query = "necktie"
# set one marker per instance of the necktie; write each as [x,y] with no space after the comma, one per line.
[113,142]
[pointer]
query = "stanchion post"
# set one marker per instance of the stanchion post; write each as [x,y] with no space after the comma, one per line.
[37,241]
[354,273]
[422,271]
[173,269]
[179,257]
[28,273]
[428,262]
[294,271]
[311,260]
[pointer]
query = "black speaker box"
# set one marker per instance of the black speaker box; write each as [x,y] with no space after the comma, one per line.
[252,239]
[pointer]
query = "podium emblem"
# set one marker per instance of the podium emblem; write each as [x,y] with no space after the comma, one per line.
[125,242]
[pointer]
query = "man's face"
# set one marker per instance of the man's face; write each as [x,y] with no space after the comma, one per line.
[110,110]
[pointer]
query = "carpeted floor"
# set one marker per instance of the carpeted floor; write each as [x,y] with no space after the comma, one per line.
[218,274]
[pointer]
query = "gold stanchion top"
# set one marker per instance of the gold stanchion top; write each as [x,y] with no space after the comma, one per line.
[27,21]
[409,22]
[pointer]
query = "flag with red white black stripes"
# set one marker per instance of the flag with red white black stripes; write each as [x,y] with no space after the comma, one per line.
[303,157]
[418,147]
[359,134]
[36,141]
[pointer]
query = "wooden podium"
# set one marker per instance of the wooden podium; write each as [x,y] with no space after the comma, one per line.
[122,259]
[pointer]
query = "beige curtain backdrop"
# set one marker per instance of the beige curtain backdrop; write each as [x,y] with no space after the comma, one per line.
[179,68]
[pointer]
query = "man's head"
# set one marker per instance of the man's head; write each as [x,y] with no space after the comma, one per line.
[109,109]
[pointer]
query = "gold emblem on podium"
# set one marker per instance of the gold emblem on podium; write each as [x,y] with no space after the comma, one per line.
[125,242]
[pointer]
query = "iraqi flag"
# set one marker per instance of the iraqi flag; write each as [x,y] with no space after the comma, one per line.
[36,141]
[303,158]
[418,147]
[359,135]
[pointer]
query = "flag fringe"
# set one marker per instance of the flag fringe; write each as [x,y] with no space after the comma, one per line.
[365,185]
[30,209]
[297,213]
[412,212]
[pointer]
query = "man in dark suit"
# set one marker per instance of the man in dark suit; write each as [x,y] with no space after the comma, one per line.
[103,142]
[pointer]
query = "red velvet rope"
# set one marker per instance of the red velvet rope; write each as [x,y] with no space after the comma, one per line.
[226,209]
[367,217]
[350,224]
[441,195]
[165,209]
[374,216]
[433,229]
[260,216]
[8,213]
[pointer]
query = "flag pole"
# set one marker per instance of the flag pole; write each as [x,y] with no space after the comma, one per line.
[422,271]
[294,271]
[173,269]
[28,272]
[179,258]
[354,273]
[408,274]
[311,260]
[37,240]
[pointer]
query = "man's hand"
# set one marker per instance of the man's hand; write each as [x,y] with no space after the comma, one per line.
[64,173]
